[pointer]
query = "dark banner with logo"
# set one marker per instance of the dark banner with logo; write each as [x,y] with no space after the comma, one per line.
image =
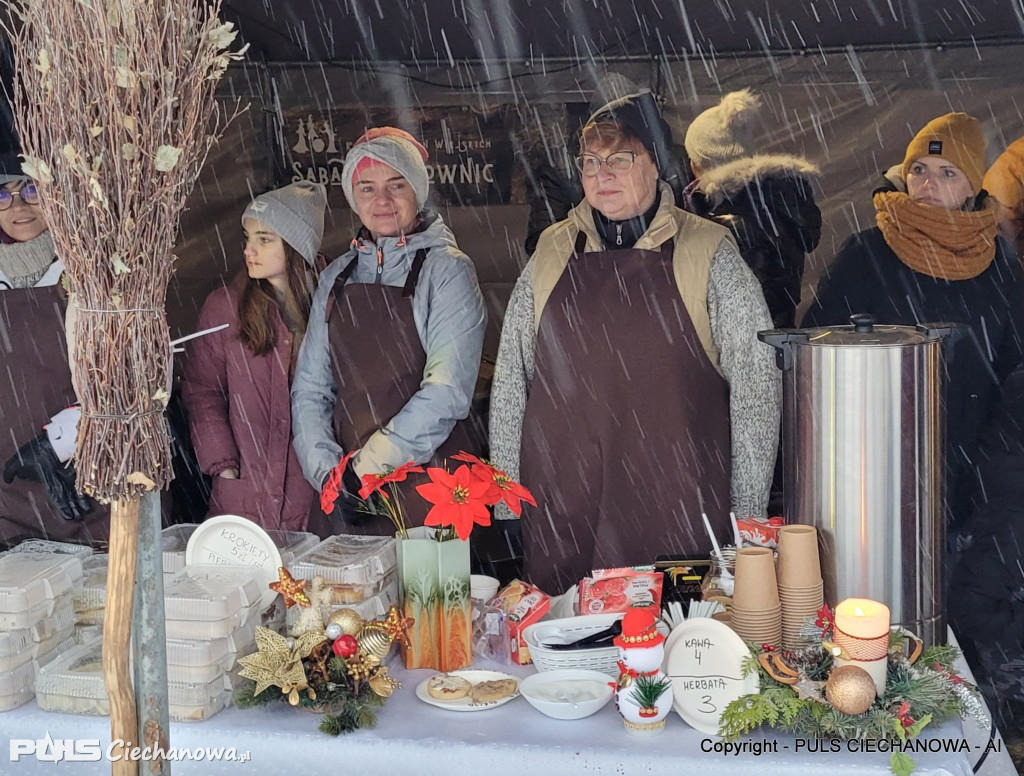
[472,161]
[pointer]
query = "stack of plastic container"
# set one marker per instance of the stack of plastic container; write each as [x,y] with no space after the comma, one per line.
[358,572]
[73,684]
[175,538]
[211,617]
[36,617]
[90,599]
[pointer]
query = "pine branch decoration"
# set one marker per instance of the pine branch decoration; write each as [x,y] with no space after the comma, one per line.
[116,112]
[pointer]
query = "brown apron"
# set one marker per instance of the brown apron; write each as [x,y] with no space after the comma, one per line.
[35,384]
[626,429]
[377,361]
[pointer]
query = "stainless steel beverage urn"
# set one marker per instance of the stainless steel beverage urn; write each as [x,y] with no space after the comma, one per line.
[863,446]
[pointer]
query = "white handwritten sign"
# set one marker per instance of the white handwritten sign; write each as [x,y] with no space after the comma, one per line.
[704,658]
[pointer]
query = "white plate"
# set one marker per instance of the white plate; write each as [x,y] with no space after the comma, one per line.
[473,676]
[230,540]
[704,658]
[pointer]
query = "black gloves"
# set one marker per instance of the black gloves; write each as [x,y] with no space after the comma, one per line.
[35,461]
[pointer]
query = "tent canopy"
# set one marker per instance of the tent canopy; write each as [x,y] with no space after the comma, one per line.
[522,31]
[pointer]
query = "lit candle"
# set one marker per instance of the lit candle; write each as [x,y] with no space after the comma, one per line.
[863,618]
[862,630]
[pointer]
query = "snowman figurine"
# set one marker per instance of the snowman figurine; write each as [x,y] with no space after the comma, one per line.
[643,693]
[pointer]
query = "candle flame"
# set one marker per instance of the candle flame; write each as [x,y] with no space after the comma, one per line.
[858,612]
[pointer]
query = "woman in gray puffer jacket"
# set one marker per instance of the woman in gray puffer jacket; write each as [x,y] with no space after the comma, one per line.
[391,356]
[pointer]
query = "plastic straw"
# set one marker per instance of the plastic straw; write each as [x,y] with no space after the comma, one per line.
[735,530]
[714,541]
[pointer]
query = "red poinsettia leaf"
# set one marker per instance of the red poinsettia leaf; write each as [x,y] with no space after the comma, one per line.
[462,455]
[435,493]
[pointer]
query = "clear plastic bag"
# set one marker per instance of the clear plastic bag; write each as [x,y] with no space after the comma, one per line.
[490,634]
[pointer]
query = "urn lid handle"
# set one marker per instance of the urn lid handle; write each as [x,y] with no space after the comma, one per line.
[863,323]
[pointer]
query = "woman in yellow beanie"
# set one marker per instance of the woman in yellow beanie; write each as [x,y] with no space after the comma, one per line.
[935,256]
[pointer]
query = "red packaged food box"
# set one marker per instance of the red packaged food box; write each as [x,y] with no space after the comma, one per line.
[616,590]
[760,531]
[523,605]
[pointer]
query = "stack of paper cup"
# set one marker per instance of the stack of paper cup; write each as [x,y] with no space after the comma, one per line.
[800,585]
[756,610]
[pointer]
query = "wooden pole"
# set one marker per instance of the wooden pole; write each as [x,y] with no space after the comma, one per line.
[149,640]
[117,632]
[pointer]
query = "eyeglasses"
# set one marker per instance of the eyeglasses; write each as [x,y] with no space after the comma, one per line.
[29,195]
[620,161]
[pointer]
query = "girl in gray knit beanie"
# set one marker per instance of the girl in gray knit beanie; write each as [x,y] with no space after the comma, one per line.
[237,380]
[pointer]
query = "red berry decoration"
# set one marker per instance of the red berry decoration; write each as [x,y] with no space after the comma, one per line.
[345,646]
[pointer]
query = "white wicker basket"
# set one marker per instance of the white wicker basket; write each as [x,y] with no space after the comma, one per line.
[569,629]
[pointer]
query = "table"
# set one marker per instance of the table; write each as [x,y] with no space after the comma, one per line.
[511,740]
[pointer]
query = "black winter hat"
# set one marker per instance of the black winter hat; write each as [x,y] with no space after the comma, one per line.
[10,168]
[640,114]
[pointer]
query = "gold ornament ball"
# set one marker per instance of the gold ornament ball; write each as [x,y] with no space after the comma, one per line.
[374,640]
[349,620]
[850,689]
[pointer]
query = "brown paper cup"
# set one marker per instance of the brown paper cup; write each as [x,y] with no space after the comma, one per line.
[799,565]
[756,587]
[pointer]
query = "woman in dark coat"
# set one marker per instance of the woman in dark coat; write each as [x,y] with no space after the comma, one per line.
[238,380]
[935,256]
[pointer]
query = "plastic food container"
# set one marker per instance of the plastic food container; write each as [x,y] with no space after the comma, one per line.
[174,540]
[91,598]
[200,711]
[40,613]
[47,547]
[348,560]
[213,629]
[28,579]
[370,609]
[292,544]
[73,683]
[18,647]
[212,592]
[16,685]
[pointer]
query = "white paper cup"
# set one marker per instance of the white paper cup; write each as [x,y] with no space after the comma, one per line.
[482,588]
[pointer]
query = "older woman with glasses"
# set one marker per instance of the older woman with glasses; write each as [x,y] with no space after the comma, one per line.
[38,497]
[631,393]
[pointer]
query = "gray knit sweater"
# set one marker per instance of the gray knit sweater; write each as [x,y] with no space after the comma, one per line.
[737,311]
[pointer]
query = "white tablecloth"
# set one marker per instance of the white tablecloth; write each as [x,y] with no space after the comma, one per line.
[512,740]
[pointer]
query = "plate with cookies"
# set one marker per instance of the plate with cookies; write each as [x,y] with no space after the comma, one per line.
[468,690]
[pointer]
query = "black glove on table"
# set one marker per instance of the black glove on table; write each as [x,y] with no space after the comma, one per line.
[35,461]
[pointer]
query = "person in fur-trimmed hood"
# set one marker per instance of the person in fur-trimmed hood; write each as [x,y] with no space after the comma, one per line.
[766,200]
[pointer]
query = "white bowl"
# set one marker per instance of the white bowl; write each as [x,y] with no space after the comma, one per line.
[571,693]
[482,588]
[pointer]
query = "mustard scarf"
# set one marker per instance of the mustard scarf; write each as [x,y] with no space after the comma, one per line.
[940,243]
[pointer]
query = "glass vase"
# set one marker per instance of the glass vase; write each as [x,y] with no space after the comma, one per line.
[435,593]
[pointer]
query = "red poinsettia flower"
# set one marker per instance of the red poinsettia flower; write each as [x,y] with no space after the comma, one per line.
[502,487]
[376,482]
[825,620]
[332,488]
[372,482]
[403,471]
[458,499]
[903,715]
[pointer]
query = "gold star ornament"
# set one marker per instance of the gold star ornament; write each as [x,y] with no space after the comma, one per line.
[277,662]
[292,590]
[397,626]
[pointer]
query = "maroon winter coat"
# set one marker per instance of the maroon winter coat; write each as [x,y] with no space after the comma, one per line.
[240,414]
